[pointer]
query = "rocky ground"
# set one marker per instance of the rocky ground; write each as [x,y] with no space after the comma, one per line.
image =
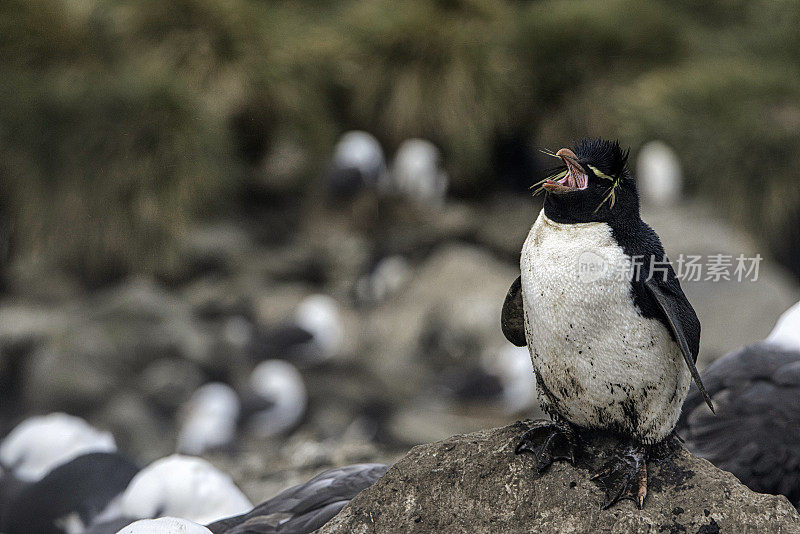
[475,483]
[127,357]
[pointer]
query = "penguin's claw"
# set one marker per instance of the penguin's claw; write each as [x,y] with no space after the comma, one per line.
[624,477]
[550,442]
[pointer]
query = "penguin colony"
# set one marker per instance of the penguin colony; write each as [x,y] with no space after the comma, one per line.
[58,474]
[358,163]
[62,476]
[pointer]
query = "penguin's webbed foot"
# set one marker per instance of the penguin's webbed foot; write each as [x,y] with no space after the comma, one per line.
[624,476]
[549,442]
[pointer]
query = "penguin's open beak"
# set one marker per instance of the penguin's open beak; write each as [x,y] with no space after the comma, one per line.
[575,179]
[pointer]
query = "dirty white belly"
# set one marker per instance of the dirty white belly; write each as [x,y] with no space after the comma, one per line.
[599,363]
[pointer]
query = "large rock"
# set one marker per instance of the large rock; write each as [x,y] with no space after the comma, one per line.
[475,483]
[450,311]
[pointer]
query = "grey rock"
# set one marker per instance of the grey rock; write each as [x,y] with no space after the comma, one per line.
[434,421]
[23,329]
[275,304]
[504,222]
[141,342]
[39,281]
[145,323]
[475,483]
[262,468]
[452,303]
[139,299]
[216,247]
[137,427]
[170,382]
[29,325]
[212,297]
[74,371]
[284,167]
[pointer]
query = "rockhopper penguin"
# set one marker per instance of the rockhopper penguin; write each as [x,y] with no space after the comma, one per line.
[612,337]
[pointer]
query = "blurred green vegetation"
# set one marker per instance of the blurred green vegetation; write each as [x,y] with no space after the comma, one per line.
[121,121]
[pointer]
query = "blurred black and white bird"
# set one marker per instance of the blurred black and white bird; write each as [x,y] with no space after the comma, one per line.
[658,174]
[209,419]
[357,162]
[304,508]
[276,400]
[58,475]
[512,365]
[756,391]
[272,402]
[503,376]
[67,499]
[164,525]
[383,278]
[313,335]
[417,173]
[787,330]
[40,443]
[179,486]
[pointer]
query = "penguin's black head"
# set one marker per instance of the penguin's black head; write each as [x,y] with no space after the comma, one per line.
[593,185]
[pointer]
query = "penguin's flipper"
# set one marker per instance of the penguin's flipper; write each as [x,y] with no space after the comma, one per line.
[512,318]
[672,313]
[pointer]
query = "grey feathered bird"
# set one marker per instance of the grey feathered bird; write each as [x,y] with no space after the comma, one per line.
[304,508]
[756,391]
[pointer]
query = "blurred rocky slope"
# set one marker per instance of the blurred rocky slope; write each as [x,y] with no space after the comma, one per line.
[412,367]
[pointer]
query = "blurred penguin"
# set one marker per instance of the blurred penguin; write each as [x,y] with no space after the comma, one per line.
[164,525]
[659,176]
[384,278]
[210,419]
[40,443]
[756,392]
[304,508]
[320,316]
[181,486]
[417,173]
[512,365]
[503,376]
[315,334]
[277,399]
[786,333]
[68,498]
[357,162]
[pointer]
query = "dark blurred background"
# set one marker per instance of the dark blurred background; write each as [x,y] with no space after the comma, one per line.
[169,198]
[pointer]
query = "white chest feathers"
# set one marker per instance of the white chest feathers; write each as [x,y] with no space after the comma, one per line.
[598,362]
[183,486]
